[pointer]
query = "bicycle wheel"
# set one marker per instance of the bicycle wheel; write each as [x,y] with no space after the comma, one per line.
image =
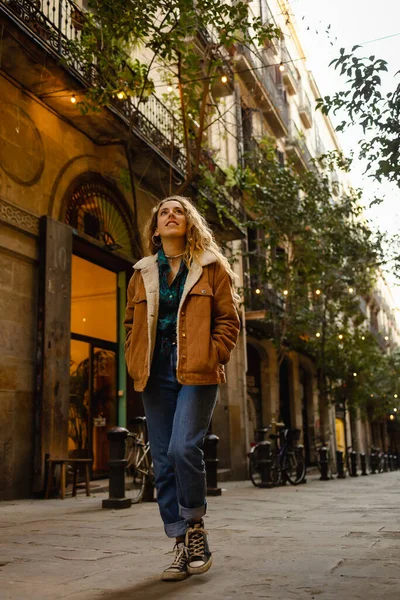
[294,467]
[136,471]
[254,471]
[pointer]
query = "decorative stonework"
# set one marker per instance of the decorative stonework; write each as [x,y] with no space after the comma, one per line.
[21,147]
[18,217]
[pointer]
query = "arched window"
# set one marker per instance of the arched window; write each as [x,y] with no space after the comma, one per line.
[96,210]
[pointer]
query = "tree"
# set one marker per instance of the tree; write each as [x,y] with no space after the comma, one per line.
[377,112]
[315,258]
[188,41]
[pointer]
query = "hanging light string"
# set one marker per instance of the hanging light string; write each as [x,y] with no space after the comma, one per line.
[224,78]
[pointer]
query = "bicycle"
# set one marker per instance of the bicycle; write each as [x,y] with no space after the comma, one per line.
[286,463]
[139,470]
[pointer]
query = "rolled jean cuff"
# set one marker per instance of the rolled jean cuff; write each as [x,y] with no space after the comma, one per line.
[176,529]
[193,513]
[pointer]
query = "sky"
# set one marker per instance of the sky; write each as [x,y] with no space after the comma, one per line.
[354,22]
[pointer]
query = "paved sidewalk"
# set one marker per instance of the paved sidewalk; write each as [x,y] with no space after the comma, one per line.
[334,540]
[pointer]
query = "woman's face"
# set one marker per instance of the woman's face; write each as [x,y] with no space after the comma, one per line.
[171,220]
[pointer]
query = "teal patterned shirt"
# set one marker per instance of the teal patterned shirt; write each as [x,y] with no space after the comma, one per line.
[170,297]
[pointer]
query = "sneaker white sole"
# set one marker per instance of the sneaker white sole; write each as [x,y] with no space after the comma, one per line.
[199,570]
[166,576]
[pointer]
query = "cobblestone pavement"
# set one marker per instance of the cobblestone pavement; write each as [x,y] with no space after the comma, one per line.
[334,540]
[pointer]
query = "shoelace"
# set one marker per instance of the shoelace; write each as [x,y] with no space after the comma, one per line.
[181,557]
[196,541]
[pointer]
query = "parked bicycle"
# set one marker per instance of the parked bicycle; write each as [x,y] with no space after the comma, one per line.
[284,461]
[139,468]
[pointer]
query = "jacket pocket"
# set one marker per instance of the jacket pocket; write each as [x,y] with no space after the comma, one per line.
[201,298]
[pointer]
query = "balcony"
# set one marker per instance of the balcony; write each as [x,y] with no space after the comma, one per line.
[290,75]
[51,25]
[36,53]
[297,149]
[256,73]
[379,337]
[305,111]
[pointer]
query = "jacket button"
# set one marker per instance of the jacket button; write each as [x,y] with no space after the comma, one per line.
[203,291]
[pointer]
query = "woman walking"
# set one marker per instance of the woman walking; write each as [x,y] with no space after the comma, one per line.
[182,325]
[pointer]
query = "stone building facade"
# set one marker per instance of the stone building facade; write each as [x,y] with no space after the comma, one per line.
[74,198]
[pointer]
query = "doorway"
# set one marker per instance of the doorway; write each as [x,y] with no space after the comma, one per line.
[93,404]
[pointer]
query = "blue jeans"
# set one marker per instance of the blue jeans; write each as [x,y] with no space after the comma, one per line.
[178,417]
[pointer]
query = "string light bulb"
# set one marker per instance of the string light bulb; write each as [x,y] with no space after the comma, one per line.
[363,337]
[395,409]
[285,292]
[258,291]
[395,396]
[318,292]
[351,290]
[318,334]
[281,67]
[73,99]
[354,374]
[224,79]
[340,336]
[391,417]
[170,89]
[121,95]
[386,337]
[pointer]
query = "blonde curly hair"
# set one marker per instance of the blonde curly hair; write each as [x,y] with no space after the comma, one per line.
[199,236]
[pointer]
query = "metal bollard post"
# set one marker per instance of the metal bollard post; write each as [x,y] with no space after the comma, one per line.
[264,458]
[340,465]
[363,460]
[300,449]
[353,464]
[395,463]
[385,463]
[211,462]
[373,462]
[117,463]
[323,461]
[390,462]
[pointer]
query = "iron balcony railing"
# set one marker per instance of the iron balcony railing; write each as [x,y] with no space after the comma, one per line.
[297,138]
[262,71]
[57,23]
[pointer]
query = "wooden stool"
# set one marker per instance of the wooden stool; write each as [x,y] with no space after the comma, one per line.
[76,463]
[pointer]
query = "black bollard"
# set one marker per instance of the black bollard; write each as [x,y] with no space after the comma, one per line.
[385,463]
[395,463]
[323,463]
[117,463]
[300,449]
[363,460]
[373,461]
[353,464]
[211,462]
[264,459]
[390,462]
[340,465]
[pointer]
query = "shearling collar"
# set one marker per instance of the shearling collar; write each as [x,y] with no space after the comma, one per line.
[205,258]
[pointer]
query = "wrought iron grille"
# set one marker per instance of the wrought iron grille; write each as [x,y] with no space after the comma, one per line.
[97,212]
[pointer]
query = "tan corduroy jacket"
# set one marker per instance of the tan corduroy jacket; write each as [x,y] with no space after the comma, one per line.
[207,323]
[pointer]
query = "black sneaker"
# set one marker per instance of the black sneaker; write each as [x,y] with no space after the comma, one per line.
[200,559]
[178,569]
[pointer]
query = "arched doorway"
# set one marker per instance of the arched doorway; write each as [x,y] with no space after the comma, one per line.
[104,249]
